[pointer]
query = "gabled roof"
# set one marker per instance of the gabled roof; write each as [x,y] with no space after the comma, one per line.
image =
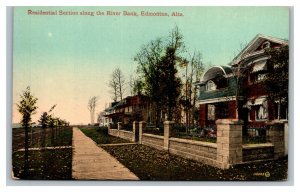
[254,44]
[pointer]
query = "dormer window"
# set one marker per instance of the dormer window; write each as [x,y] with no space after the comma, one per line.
[266,45]
[210,86]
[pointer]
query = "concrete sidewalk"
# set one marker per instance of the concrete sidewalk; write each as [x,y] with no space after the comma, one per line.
[90,162]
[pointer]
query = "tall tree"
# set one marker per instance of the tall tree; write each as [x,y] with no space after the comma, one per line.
[27,107]
[157,64]
[91,107]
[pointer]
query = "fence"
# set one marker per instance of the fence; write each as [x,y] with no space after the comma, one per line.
[254,134]
[228,150]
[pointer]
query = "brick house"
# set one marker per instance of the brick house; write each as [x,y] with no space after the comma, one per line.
[132,107]
[218,87]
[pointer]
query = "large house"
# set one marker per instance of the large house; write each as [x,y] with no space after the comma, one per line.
[220,94]
[129,109]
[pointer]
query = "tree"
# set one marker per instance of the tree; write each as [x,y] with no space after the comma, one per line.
[148,60]
[91,107]
[277,78]
[194,68]
[157,63]
[27,107]
[117,84]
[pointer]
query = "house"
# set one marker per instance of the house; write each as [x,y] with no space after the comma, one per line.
[220,96]
[132,108]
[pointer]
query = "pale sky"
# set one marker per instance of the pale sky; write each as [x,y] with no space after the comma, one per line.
[68,59]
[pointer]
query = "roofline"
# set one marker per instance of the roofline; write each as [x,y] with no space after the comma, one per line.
[216,66]
[274,39]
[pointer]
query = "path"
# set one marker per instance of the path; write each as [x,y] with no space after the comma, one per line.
[90,162]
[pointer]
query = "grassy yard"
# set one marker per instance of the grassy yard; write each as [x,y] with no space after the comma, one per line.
[100,135]
[151,164]
[52,139]
[51,164]
[46,164]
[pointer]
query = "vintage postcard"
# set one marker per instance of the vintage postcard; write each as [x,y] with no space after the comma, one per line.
[150,93]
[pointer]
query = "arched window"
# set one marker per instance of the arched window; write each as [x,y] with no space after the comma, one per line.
[210,86]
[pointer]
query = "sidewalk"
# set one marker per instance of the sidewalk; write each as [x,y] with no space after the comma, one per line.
[90,162]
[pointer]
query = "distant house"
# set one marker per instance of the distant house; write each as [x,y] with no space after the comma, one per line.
[132,108]
[218,87]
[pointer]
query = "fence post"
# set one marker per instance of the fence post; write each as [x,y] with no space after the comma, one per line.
[135,130]
[108,128]
[276,136]
[119,128]
[168,126]
[142,125]
[229,142]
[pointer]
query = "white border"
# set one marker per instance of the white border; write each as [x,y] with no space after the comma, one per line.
[149,185]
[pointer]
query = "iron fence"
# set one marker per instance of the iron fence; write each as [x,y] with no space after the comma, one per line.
[256,134]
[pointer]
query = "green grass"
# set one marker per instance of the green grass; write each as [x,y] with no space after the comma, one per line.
[151,164]
[100,135]
[44,164]
[62,138]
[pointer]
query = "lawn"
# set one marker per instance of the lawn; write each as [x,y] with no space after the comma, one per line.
[100,135]
[54,164]
[151,164]
[52,139]
[47,164]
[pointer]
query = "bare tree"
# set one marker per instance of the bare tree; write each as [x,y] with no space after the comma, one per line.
[117,84]
[194,68]
[91,107]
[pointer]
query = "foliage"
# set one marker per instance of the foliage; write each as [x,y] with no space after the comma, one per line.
[44,120]
[27,107]
[157,62]
[277,79]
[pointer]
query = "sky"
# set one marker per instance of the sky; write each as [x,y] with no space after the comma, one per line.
[66,59]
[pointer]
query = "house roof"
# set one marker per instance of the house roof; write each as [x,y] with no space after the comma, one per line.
[215,71]
[252,46]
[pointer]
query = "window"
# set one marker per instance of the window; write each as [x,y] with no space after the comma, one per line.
[210,86]
[260,77]
[211,112]
[282,110]
[262,111]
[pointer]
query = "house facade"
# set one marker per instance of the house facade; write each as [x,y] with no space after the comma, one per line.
[237,90]
[128,109]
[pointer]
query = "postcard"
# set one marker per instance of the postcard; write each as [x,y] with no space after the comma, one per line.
[150,93]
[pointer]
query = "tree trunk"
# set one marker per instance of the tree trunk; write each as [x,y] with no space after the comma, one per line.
[26,162]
